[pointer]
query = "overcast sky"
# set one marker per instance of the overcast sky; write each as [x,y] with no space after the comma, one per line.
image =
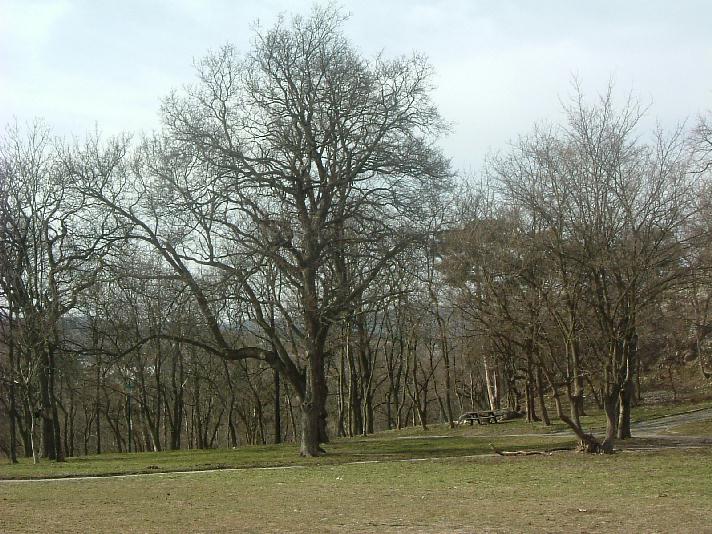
[500,65]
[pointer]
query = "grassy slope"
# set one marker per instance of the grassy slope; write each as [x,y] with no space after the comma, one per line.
[341,451]
[437,441]
[630,492]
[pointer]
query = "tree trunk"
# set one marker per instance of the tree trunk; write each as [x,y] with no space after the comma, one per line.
[368,413]
[587,442]
[610,406]
[540,393]
[340,423]
[445,349]
[529,385]
[97,410]
[491,381]
[310,429]
[25,423]
[355,413]
[50,431]
[627,391]
[13,402]
[277,408]
[576,397]
[625,398]
[313,406]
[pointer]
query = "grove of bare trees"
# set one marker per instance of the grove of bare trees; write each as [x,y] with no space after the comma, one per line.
[292,257]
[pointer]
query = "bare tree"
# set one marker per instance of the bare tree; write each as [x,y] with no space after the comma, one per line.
[610,211]
[301,155]
[53,242]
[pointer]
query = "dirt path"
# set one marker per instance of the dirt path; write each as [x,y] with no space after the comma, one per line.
[666,423]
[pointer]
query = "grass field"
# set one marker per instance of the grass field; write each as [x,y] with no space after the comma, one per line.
[698,428]
[378,448]
[439,480]
[438,441]
[669,491]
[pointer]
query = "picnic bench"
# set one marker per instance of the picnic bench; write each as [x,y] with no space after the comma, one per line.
[482,417]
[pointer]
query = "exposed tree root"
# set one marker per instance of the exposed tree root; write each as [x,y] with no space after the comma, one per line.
[588,443]
[319,452]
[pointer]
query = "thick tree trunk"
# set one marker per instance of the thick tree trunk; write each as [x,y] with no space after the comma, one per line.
[313,406]
[310,429]
[610,407]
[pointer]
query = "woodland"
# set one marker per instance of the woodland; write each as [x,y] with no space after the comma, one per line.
[292,257]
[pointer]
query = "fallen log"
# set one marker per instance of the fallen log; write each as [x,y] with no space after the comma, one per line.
[519,453]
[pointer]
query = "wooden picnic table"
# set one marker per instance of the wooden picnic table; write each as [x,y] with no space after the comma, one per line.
[482,417]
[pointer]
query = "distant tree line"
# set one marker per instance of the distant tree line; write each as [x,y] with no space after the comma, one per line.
[292,257]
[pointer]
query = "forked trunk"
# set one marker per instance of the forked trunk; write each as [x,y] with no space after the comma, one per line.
[610,407]
[587,442]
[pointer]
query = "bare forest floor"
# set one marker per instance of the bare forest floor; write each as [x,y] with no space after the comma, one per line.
[397,481]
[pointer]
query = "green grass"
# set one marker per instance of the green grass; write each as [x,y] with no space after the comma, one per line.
[697,428]
[339,452]
[656,411]
[437,441]
[567,492]
[595,420]
[366,484]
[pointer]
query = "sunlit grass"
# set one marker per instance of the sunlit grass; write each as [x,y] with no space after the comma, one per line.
[667,491]
[437,441]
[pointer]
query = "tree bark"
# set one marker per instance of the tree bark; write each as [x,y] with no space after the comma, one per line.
[627,391]
[13,402]
[277,408]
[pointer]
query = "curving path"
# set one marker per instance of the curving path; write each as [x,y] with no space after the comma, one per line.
[666,423]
